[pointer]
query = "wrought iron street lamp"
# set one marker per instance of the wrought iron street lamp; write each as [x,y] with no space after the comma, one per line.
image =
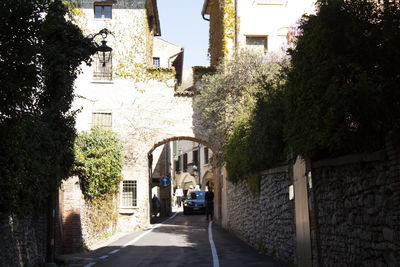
[104,54]
[104,51]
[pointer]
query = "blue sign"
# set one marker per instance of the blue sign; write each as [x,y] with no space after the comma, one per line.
[165,181]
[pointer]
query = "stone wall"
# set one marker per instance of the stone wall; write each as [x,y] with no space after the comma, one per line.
[266,221]
[23,239]
[356,211]
[82,224]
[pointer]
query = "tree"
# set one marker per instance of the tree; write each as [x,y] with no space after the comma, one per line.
[257,143]
[242,107]
[230,94]
[342,93]
[39,61]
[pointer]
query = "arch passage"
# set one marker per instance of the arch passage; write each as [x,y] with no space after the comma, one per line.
[178,138]
[165,192]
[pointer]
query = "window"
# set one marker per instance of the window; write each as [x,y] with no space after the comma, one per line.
[102,66]
[205,155]
[257,43]
[156,62]
[102,119]
[176,162]
[195,156]
[102,11]
[185,162]
[129,194]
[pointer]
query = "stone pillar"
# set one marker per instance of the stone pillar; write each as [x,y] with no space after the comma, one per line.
[71,217]
[165,201]
[303,241]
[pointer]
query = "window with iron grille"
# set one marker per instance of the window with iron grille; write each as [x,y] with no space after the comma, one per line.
[129,194]
[102,119]
[102,68]
[257,43]
[102,11]
[156,62]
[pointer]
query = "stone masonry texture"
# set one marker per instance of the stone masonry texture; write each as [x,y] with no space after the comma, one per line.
[266,221]
[357,213]
[23,239]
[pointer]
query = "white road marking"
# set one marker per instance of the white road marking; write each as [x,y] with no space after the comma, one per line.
[114,251]
[213,249]
[148,231]
[134,240]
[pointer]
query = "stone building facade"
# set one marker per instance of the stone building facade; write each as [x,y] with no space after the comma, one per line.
[130,96]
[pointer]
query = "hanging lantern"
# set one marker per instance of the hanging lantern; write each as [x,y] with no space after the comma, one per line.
[104,53]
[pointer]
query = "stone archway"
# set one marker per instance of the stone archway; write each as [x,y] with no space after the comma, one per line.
[144,117]
[157,167]
[178,138]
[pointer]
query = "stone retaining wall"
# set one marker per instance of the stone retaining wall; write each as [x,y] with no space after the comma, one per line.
[266,222]
[23,239]
[356,211]
[83,223]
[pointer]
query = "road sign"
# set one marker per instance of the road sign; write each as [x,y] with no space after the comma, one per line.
[165,181]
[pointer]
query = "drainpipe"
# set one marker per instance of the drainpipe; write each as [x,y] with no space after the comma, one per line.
[204,10]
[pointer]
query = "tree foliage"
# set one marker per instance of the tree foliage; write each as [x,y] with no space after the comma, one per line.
[343,85]
[242,105]
[98,162]
[230,94]
[39,61]
[257,143]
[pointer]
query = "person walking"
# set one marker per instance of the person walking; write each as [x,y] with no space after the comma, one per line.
[209,202]
[156,205]
[179,195]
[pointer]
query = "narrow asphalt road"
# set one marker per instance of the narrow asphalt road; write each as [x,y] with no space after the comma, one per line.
[182,240]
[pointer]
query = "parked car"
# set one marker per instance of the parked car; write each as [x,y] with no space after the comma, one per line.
[194,203]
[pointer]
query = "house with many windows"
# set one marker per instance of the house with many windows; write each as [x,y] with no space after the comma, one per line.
[192,165]
[129,88]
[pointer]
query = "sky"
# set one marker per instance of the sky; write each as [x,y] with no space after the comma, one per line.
[182,24]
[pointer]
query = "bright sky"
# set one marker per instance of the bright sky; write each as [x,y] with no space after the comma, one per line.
[182,24]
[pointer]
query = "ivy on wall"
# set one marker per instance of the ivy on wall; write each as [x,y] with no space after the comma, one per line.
[132,44]
[222,30]
[98,162]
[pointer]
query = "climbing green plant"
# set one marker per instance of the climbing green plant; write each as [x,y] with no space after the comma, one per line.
[131,42]
[98,162]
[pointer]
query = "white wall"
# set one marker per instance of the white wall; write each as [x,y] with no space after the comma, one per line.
[271,18]
[166,51]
